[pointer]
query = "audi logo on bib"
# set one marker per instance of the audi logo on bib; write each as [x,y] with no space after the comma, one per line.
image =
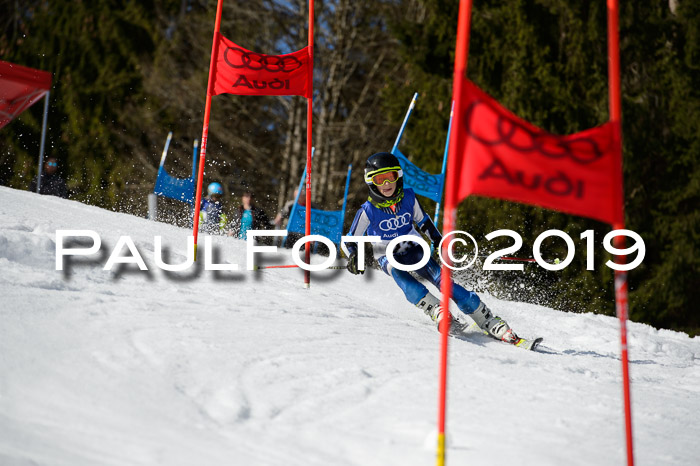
[395,223]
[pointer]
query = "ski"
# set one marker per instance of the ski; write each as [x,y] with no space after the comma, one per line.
[520,342]
[528,344]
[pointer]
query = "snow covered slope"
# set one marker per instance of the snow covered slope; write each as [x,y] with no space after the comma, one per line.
[248,368]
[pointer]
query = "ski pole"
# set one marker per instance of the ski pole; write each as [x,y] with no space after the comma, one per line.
[523,259]
[343,267]
[332,267]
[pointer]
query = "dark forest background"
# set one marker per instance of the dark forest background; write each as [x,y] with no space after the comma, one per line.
[127,72]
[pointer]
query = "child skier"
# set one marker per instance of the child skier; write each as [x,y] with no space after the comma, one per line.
[393,211]
[211,215]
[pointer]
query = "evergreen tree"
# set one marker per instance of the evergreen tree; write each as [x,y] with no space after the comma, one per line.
[94,51]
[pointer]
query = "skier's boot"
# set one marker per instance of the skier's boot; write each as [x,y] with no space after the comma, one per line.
[493,325]
[432,308]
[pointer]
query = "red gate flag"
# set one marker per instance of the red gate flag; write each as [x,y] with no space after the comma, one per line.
[20,88]
[242,72]
[505,157]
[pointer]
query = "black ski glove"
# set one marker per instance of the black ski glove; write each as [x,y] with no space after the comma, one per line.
[352,264]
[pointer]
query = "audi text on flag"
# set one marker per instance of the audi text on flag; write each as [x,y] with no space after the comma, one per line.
[242,72]
[505,157]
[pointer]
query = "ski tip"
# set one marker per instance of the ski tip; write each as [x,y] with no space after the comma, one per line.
[536,342]
[524,343]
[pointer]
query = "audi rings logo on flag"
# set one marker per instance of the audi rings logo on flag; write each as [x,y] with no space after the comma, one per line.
[328,219]
[395,223]
[519,137]
[241,58]
[243,72]
[423,183]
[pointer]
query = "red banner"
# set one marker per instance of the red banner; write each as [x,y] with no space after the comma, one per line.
[242,72]
[20,88]
[505,157]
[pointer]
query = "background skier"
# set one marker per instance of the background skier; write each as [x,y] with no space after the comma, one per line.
[249,216]
[211,215]
[51,182]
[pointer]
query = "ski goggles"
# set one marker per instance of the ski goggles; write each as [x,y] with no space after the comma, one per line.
[386,175]
[52,164]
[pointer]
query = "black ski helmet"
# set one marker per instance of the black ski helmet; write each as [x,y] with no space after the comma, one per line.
[378,163]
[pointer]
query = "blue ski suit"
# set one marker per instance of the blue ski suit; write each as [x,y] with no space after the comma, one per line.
[212,217]
[402,219]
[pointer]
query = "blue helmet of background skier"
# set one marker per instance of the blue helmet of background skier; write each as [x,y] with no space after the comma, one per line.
[212,216]
[382,169]
[215,188]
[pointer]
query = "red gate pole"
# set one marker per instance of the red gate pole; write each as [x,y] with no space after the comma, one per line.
[205,127]
[621,302]
[309,140]
[448,224]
